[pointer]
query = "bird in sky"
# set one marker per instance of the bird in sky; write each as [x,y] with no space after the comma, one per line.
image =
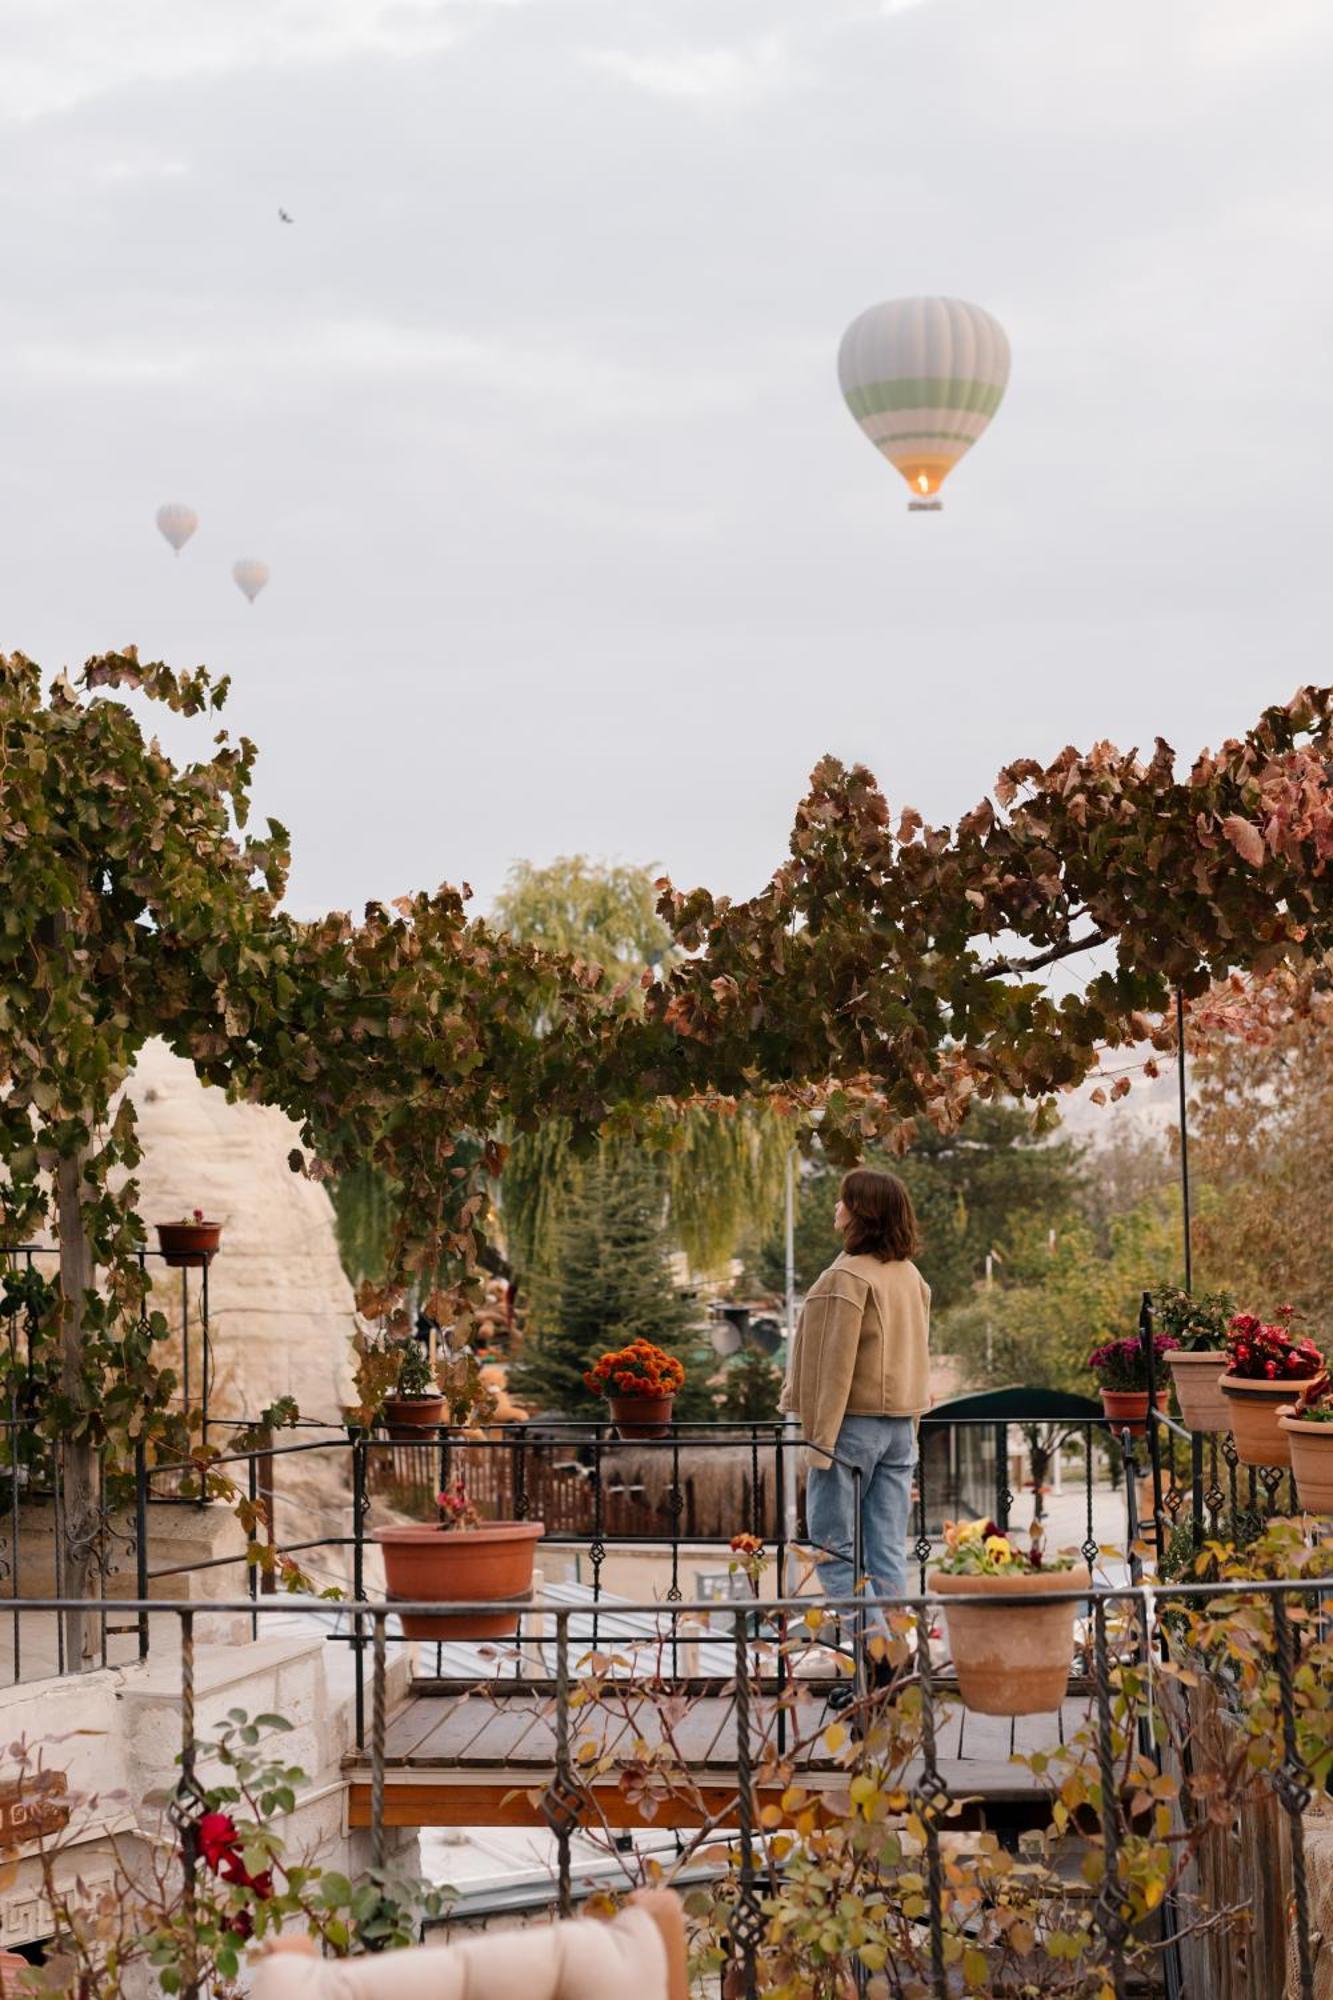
[284,217]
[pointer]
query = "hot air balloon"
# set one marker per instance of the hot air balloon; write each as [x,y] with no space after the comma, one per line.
[250,575]
[177,522]
[923,378]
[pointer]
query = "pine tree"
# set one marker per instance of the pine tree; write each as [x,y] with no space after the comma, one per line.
[612,1284]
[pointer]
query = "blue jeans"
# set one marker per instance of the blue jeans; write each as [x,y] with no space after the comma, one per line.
[884,1450]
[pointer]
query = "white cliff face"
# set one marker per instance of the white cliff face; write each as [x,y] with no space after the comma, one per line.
[281,1309]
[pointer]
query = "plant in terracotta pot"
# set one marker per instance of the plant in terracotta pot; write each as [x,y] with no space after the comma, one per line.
[1121,1368]
[191,1243]
[460,1559]
[416,1402]
[1198,1326]
[1013,1652]
[1268,1364]
[640,1383]
[1308,1427]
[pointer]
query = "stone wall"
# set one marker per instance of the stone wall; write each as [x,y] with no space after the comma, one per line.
[116,1734]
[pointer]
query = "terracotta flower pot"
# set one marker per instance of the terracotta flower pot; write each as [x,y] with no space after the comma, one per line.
[1252,1408]
[1202,1404]
[188,1245]
[13,1965]
[406,1417]
[1311,1447]
[1013,1654]
[642,1416]
[1127,1409]
[491,1564]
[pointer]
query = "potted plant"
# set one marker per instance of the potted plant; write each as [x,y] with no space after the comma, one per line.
[640,1383]
[1198,1326]
[190,1243]
[460,1559]
[1308,1427]
[1266,1361]
[1012,1653]
[415,1403]
[1121,1368]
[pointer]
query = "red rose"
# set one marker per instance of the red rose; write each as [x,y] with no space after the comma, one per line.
[217,1838]
[234,1870]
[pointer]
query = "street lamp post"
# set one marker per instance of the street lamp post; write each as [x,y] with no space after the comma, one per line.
[1184,1138]
[788,1583]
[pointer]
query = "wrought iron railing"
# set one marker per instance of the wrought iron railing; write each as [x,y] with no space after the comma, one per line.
[1130,1796]
[750,1476]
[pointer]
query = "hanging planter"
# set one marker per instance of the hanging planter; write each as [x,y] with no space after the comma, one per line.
[640,1383]
[1197,1322]
[1127,1409]
[1121,1368]
[1309,1435]
[461,1560]
[1268,1369]
[1197,1377]
[1252,1408]
[1012,1653]
[415,1405]
[189,1244]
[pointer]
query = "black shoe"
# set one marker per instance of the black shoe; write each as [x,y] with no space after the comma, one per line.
[840,1696]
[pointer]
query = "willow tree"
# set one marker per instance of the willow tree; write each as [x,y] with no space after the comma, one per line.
[720,1168]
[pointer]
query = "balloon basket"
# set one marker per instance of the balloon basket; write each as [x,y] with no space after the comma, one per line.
[925,506]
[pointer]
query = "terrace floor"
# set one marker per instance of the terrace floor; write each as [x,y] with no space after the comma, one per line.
[486,1759]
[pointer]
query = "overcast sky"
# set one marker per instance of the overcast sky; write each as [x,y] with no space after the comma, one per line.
[534,410]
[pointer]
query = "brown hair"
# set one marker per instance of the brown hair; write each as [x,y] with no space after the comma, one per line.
[883,1222]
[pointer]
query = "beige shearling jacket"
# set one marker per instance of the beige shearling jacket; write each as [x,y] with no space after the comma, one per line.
[862,1347]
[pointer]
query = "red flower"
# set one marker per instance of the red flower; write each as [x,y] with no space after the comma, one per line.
[219,1844]
[217,1838]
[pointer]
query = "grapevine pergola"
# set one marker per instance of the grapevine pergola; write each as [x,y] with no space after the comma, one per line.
[888,972]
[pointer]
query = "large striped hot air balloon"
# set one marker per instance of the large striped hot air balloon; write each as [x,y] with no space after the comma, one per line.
[923,378]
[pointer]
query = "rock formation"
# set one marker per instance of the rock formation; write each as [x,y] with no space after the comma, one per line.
[280,1307]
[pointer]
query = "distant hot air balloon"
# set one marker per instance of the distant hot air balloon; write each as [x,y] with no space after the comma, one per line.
[923,378]
[250,575]
[177,522]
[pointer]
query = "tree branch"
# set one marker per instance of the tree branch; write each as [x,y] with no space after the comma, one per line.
[1068,949]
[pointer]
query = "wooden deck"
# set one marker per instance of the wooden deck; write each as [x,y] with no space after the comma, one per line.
[478,1759]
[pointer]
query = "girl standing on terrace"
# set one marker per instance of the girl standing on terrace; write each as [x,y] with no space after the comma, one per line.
[858,1379]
